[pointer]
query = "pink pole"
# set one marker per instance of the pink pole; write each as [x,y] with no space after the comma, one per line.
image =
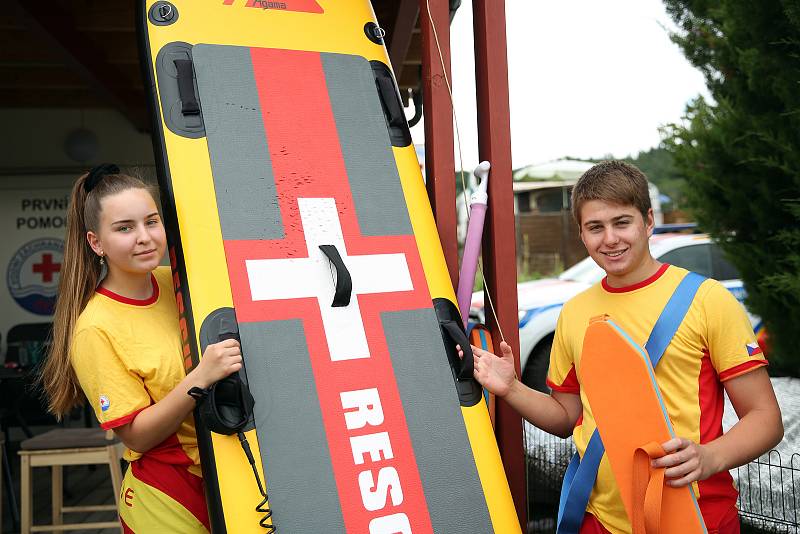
[472,243]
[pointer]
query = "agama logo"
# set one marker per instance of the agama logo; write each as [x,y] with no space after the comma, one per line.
[303,6]
[33,273]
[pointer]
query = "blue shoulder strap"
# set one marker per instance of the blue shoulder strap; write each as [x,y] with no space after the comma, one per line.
[672,316]
[581,473]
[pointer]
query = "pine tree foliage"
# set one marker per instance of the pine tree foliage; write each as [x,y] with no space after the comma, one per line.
[658,164]
[741,153]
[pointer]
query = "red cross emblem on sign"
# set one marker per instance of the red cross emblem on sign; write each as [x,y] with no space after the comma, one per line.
[47,267]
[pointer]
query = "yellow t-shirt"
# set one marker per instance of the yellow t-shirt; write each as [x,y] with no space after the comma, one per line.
[127,355]
[714,343]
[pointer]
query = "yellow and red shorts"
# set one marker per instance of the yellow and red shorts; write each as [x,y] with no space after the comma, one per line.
[161,497]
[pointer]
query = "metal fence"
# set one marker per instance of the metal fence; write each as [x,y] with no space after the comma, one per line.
[768,491]
[768,487]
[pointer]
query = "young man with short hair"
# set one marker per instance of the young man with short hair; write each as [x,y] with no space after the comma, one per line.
[713,349]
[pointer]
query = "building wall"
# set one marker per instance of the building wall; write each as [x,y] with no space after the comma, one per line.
[36,174]
[548,243]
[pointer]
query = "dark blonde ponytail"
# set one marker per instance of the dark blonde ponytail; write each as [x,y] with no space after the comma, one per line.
[80,274]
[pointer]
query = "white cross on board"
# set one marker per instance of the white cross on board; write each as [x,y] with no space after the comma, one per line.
[293,278]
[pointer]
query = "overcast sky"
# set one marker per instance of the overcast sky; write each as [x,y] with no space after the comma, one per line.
[586,78]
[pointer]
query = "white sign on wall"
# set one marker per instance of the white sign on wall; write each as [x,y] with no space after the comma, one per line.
[32,223]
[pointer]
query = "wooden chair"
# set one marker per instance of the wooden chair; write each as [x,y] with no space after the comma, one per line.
[2,480]
[68,446]
[7,485]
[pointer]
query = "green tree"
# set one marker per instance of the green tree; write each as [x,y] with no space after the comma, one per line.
[658,164]
[741,152]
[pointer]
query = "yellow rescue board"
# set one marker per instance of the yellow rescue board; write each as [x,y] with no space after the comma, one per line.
[277,133]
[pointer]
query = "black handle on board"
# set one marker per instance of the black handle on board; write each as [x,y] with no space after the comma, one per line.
[344,284]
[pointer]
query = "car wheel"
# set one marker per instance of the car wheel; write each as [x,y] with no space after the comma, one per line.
[535,374]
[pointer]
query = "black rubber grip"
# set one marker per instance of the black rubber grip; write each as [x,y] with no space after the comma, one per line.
[456,333]
[393,109]
[228,329]
[189,104]
[344,284]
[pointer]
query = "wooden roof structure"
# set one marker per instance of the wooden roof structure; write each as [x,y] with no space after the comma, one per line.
[83,53]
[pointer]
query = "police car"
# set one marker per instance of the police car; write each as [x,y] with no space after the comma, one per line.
[540,301]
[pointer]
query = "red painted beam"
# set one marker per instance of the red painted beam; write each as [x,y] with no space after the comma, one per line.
[499,242]
[438,114]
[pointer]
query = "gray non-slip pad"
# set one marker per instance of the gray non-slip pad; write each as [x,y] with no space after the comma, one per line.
[291,436]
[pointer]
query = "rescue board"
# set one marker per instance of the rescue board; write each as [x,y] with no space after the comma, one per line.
[294,202]
[619,381]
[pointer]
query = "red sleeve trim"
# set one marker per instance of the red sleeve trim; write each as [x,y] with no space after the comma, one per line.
[741,369]
[119,421]
[569,385]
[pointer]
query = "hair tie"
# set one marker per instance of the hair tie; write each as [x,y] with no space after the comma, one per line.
[97,174]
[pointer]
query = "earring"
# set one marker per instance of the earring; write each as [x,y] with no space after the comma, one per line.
[102,261]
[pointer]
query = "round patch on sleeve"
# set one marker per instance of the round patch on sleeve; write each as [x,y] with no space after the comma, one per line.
[104,403]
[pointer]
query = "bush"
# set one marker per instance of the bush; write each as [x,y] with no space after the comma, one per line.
[741,154]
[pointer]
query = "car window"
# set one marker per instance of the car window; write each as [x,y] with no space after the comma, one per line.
[723,269]
[695,258]
[585,271]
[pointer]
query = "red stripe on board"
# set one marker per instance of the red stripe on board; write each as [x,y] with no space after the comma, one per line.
[303,6]
[304,142]
[248,310]
[176,482]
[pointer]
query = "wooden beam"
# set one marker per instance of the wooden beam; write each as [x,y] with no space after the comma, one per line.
[40,97]
[36,75]
[499,238]
[410,78]
[414,52]
[18,45]
[438,113]
[404,21]
[47,20]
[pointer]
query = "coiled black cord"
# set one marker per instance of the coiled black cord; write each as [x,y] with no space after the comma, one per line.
[263,507]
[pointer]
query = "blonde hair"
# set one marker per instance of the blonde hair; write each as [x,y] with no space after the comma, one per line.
[80,274]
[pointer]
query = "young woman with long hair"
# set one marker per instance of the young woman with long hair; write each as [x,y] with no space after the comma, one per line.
[116,342]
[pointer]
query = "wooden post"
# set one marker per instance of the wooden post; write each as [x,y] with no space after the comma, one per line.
[499,238]
[439,159]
